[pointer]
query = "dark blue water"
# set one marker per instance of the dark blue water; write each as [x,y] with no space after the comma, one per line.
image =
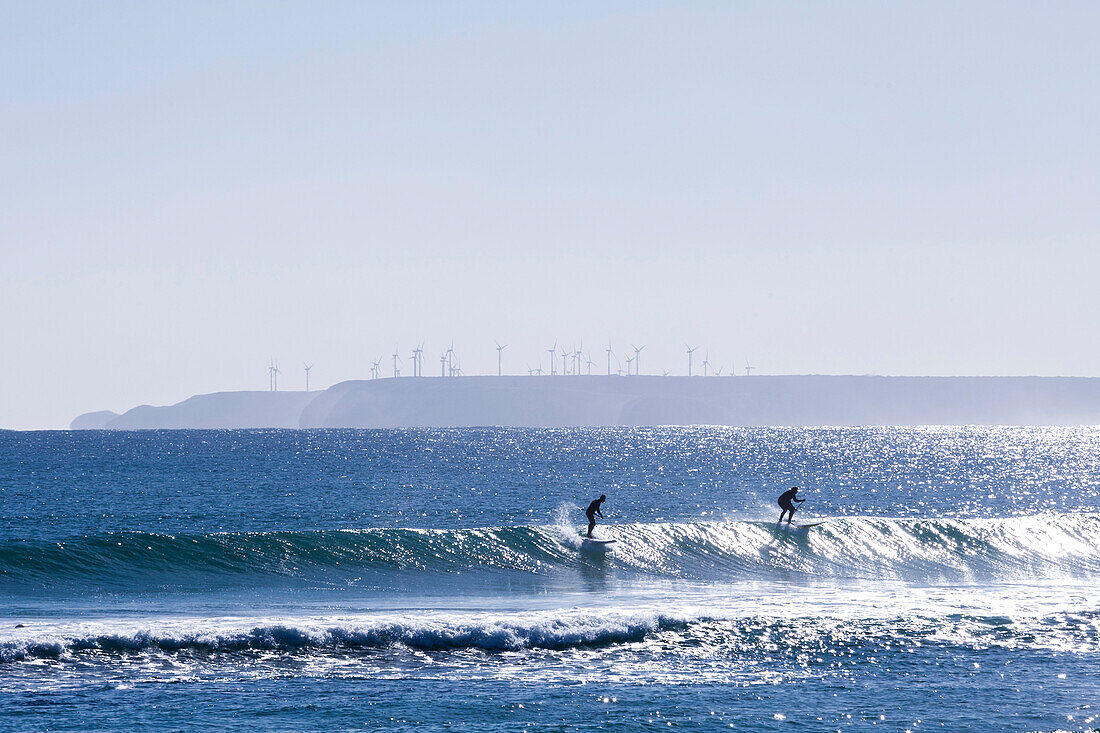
[435,579]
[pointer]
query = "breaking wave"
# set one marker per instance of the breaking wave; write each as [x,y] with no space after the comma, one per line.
[426,635]
[712,637]
[852,547]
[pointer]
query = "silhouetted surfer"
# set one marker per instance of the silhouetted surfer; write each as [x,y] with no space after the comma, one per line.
[592,511]
[787,501]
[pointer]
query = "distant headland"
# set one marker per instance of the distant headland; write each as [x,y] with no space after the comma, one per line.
[572,401]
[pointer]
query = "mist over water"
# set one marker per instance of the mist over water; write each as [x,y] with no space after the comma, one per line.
[428,578]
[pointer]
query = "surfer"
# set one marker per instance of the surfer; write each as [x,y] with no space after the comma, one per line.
[787,501]
[592,511]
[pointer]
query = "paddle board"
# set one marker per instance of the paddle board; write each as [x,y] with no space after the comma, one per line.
[799,527]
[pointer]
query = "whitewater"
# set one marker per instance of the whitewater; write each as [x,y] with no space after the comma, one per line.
[435,579]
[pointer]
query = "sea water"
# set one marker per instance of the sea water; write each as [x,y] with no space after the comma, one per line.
[435,579]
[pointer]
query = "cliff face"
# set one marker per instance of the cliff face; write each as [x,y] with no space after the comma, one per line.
[217,410]
[608,401]
[93,420]
[744,401]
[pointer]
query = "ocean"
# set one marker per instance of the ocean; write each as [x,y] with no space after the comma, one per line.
[435,580]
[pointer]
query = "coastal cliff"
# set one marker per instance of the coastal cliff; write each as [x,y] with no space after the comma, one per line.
[564,401]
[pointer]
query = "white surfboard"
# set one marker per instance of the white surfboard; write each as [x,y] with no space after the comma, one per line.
[810,524]
[595,542]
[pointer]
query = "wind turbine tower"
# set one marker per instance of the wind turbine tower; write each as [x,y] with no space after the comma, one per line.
[452,367]
[706,363]
[375,369]
[396,359]
[637,358]
[308,367]
[553,357]
[273,376]
[500,357]
[608,358]
[748,368]
[690,350]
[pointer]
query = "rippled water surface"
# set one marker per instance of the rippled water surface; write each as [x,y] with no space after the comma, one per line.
[436,579]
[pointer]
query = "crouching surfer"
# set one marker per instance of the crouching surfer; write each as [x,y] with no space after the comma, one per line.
[592,511]
[787,501]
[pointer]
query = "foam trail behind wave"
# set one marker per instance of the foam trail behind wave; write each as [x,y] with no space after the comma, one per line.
[721,636]
[486,634]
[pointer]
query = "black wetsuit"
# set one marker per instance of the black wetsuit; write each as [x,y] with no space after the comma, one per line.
[591,512]
[786,503]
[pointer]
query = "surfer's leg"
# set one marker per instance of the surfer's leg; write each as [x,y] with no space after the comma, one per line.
[591,526]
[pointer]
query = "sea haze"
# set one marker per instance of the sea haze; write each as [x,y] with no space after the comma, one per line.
[428,578]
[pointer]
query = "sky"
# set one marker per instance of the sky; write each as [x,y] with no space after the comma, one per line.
[192,189]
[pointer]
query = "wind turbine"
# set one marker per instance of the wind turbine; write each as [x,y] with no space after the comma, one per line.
[564,366]
[690,350]
[629,361]
[454,364]
[396,359]
[553,356]
[375,369]
[609,352]
[637,358]
[748,369]
[273,376]
[588,363]
[717,371]
[706,363]
[308,367]
[451,359]
[443,364]
[500,356]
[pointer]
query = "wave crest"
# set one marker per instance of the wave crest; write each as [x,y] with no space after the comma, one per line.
[428,635]
[852,547]
[712,637]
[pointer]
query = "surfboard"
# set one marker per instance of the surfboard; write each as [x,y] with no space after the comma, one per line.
[595,542]
[800,527]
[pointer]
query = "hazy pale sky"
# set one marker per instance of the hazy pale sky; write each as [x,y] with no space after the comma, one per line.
[191,189]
